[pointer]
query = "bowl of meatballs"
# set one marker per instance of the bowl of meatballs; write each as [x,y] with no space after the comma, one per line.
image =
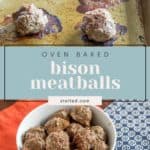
[50,127]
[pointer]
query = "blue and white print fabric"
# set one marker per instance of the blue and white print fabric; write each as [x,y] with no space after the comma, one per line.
[132,122]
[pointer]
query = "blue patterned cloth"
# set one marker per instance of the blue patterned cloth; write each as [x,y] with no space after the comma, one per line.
[132,122]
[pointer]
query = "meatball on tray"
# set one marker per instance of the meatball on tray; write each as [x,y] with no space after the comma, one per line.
[75,22]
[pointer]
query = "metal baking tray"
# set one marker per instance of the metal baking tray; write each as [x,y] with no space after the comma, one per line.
[127,15]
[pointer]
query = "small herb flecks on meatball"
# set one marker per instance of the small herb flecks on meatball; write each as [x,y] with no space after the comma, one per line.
[55,124]
[36,132]
[82,115]
[58,140]
[30,20]
[34,144]
[98,25]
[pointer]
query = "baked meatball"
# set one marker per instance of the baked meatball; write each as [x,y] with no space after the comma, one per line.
[73,129]
[37,132]
[85,139]
[55,124]
[100,145]
[82,115]
[99,131]
[30,20]
[98,25]
[64,114]
[34,144]
[58,140]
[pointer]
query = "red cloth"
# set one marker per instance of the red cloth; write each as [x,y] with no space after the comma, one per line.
[10,119]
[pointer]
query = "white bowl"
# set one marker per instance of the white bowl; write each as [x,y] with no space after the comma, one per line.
[40,114]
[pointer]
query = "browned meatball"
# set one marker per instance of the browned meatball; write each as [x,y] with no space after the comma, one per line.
[82,115]
[73,129]
[37,132]
[34,144]
[86,139]
[58,140]
[99,131]
[55,124]
[100,145]
[64,114]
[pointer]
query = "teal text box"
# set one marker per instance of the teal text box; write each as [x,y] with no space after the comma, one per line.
[26,63]
[1,73]
[148,73]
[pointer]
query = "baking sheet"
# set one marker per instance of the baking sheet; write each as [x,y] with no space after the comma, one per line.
[127,14]
[146,19]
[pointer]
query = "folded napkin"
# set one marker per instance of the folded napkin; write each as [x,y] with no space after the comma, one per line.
[10,119]
[132,122]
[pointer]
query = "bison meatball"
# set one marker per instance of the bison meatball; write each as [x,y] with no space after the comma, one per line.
[55,124]
[58,140]
[99,131]
[34,144]
[85,139]
[98,25]
[82,115]
[37,132]
[73,129]
[30,20]
[64,114]
[100,145]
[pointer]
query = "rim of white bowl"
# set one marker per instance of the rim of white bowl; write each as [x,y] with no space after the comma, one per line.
[96,107]
[113,125]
